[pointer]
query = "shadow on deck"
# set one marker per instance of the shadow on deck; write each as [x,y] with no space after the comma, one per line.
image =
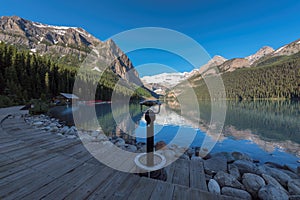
[35,164]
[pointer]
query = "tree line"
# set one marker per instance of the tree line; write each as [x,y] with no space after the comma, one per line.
[25,76]
[279,79]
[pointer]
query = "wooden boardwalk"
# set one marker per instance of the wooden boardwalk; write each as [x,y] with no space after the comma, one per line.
[39,165]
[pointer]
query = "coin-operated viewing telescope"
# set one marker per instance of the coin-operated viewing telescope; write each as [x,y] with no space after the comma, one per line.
[154,161]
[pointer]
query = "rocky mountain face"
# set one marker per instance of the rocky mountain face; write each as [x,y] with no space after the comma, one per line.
[266,50]
[208,68]
[161,82]
[68,44]
[288,49]
[219,64]
[233,64]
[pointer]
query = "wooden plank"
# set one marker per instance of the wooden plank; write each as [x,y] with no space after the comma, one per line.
[62,181]
[162,190]
[181,173]
[89,186]
[57,166]
[170,172]
[109,186]
[21,157]
[143,189]
[181,192]
[85,156]
[65,189]
[195,194]
[14,187]
[197,176]
[20,170]
[29,186]
[12,147]
[125,188]
[72,150]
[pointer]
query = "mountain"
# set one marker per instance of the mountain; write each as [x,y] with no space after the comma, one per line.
[67,45]
[266,50]
[161,82]
[215,61]
[267,74]
[288,49]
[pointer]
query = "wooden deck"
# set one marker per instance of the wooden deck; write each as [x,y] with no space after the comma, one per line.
[38,165]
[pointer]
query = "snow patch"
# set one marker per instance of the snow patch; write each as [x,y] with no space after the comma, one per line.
[39,25]
[33,50]
[82,33]
[298,42]
[60,32]
[55,41]
[278,50]
[96,69]
[165,79]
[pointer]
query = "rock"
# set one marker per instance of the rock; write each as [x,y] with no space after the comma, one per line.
[290,168]
[47,128]
[272,181]
[160,145]
[253,183]
[64,130]
[38,124]
[214,165]
[131,148]
[214,187]
[294,197]
[290,174]
[119,142]
[261,170]
[208,177]
[246,166]
[270,192]
[101,137]
[273,165]
[52,125]
[169,154]
[71,136]
[280,176]
[225,179]
[241,156]
[294,186]
[234,171]
[298,170]
[225,155]
[53,129]
[236,193]
[96,133]
[183,156]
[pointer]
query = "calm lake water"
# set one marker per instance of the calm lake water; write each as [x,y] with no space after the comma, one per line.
[266,130]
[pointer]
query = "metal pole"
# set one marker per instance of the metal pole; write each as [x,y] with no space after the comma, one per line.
[150,143]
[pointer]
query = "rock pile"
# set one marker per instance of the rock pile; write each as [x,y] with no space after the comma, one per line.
[236,174]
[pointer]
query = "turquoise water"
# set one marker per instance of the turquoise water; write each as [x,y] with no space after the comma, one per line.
[266,130]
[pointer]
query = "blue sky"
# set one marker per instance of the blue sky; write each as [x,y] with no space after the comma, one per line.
[223,27]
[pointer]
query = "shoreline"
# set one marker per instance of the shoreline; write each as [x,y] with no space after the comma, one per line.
[228,173]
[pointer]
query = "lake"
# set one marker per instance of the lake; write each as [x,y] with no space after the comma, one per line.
[266,130]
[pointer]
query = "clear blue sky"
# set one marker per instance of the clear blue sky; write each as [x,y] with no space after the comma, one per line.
[223,27]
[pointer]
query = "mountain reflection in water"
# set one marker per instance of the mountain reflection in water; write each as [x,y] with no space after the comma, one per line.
[265,127]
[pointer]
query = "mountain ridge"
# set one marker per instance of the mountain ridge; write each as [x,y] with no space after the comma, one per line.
[67,45]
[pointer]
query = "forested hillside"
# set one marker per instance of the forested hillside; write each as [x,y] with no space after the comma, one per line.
[25,76]
[277,77]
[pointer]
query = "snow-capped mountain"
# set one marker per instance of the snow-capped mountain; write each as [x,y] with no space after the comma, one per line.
[68,45]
